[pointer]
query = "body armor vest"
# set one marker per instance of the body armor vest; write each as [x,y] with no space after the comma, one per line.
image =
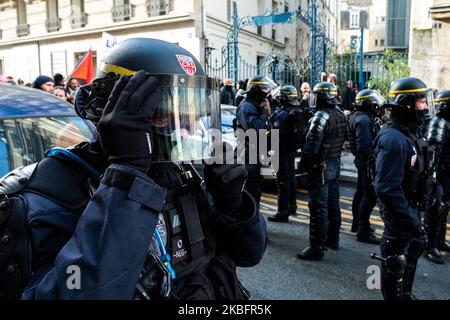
[417,182]
[333,142]
[352,129]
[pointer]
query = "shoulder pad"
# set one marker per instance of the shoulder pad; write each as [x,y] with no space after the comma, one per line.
[435,130]
[50,178]
[15,180]
[319,121]
[320,117]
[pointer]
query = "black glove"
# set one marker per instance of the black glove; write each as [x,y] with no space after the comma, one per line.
[125,124]
[225,183]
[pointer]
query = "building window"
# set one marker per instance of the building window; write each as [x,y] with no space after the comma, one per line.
[376,42]
[274,34]
[58,62]
[23,28]
[382,42]
[354,21]
[122,10]
[398,23]
[383,19]
[286,6]
[158,7]
[53,22]
[78,18]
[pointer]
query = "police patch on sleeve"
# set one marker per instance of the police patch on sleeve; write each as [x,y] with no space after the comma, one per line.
[187,63]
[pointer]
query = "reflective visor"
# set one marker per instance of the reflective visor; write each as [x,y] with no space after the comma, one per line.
[182,122]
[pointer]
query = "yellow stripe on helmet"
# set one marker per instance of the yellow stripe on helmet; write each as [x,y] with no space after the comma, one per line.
[257,82]
[117,70]
[441,99]
[392,92]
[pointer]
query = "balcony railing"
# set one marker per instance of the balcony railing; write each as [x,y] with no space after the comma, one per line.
[53,24]
[23,30]
[158,7]
[78,20]
[122,12]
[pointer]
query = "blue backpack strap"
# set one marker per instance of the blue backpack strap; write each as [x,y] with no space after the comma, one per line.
[90,169]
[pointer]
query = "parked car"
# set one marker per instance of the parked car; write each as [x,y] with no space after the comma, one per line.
[33,121]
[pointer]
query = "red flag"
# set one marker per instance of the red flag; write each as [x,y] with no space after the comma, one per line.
[85,69]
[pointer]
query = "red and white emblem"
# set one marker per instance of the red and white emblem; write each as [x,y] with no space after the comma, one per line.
[187,63]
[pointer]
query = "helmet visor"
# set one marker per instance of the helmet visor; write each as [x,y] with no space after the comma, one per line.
[183,122]
[430,103]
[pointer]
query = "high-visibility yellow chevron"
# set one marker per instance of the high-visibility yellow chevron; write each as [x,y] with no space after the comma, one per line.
[107,67]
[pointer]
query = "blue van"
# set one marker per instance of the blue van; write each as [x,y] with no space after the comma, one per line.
[33,121]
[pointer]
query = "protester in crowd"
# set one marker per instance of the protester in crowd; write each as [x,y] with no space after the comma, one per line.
[332,78]
[348,96]
[306,95]
[59,79]
[240,94]
[60,93]
[227,94]
[71,88]
[44,83]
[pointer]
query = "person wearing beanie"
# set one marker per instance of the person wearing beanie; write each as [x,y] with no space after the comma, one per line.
[44,83]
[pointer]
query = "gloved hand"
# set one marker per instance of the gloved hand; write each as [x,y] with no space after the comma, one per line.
[124,127]
[225,183]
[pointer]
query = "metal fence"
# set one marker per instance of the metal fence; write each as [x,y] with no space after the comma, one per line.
[378,71]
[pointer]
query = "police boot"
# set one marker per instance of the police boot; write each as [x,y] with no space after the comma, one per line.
[280,217]
[366,235]
[368,238]
[431,252]
[408,280]
[332,244]
[292,210]
[311,253]
[392,272]
[433,255]
[315,250]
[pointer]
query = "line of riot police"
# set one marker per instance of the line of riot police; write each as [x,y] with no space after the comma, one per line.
[403,165]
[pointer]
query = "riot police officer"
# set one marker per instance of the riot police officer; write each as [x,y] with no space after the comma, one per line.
[128,211]
[435,220]
[253,114]
[290,121]
[321,159]
[400,152]
[362,132]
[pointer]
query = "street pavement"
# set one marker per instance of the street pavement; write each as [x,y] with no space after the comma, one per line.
[341,275]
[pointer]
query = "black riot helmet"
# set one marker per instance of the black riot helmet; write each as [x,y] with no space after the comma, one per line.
[190,103]
[289,96]
[325,94]
[259,87]
[368,100]
[403,95]
[442,101]
[405,91]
